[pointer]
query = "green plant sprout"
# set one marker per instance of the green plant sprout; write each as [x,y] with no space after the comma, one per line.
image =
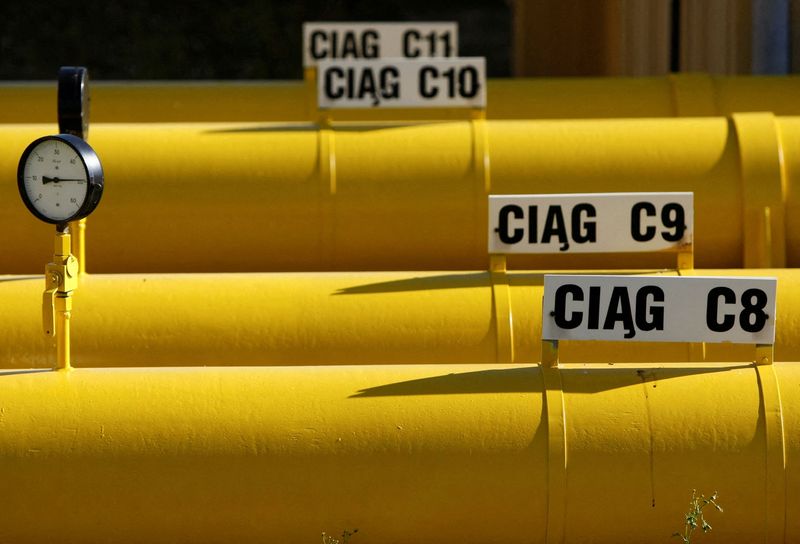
[328,539]
[695,518]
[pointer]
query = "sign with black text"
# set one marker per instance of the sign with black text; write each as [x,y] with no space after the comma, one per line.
[591,223]
[659,308]
[433,83]
[352,41]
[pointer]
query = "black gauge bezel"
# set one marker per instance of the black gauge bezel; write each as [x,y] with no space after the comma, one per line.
[94,177]
[73,101]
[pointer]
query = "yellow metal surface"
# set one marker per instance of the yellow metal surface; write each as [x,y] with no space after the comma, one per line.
[79,243]
[535,98]
[331,319]
[266,197]
[363,412]
[445,453]
[763,183]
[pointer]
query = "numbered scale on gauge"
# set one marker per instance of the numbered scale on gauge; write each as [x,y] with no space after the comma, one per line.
[60,178]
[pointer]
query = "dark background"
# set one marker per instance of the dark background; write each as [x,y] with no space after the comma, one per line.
[255,39]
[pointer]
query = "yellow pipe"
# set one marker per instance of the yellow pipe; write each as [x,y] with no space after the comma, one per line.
[537,98]
[329,319]
[266,197]
[456,454]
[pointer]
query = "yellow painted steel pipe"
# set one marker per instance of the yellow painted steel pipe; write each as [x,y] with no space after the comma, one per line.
[328,319]
[539,98]
[276,197]
[445,453]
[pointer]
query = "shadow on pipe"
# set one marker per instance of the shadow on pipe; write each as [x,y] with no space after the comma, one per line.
[528,380]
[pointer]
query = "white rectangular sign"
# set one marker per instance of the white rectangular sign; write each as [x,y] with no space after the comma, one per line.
[659,309]
[590,223]
[350,41]
[396,83]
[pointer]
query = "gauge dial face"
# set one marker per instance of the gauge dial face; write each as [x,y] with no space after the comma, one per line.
[58,178]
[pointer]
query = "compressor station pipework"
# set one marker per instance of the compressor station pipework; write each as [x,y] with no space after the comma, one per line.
[414,196]
[677,95]
[390,430]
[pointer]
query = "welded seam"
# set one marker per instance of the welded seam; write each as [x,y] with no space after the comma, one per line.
[481,162]
[503,318]
[556,455]
[775,458]
[501,292]
[646,379]
[326,154]
[762,178]
[482,185]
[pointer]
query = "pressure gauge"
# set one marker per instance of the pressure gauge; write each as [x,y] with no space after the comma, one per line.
[73,101]
[60,178]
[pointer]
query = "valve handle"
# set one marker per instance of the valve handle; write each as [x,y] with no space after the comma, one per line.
[49,312]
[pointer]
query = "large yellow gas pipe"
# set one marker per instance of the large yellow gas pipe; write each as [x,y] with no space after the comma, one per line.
[272,197]
[443,453]
[329,319]
[195,101]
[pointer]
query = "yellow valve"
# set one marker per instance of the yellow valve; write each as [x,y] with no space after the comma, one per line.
[61,279]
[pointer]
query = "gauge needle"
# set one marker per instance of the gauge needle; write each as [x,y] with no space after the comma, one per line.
[46,179]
